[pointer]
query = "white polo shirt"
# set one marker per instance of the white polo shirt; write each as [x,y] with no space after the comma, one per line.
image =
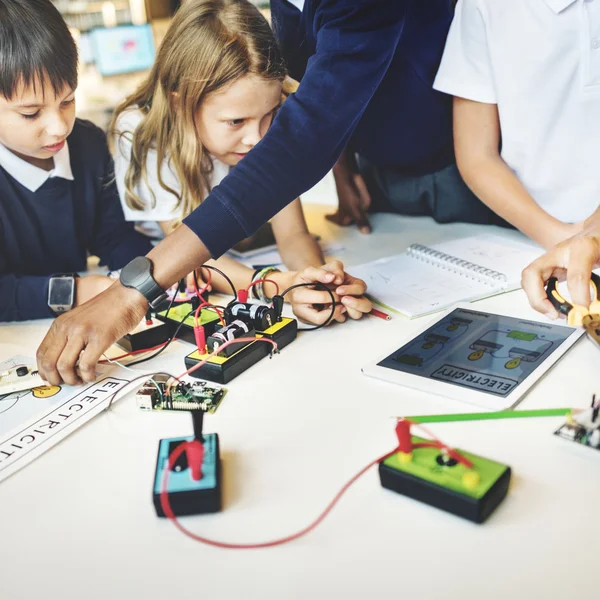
[539,61]
[32,177]
[166,203]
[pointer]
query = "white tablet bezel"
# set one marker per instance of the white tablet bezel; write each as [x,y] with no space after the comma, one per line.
[460,393]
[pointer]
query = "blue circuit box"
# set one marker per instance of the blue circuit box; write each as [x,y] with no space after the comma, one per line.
[186,496]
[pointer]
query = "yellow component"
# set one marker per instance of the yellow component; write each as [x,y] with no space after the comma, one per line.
[277,326]
[471,479]
[404,457]
[452,327]
[576,315]
[428,345]
[558,296]
[513,364]
[217,360]
[476,355]
[45,391]
[595,307]
[595,294]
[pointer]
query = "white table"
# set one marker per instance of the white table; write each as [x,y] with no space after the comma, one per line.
[78,523]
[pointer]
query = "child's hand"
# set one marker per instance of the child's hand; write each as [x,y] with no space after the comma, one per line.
[90,286]
[314,305]
[354,202]
[199,278]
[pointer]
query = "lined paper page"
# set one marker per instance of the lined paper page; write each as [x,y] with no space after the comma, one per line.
[414,288]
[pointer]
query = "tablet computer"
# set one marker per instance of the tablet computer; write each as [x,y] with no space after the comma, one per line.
[123,49]
[485,359]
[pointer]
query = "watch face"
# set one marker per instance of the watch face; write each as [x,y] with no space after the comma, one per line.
[61,293]
[136,272]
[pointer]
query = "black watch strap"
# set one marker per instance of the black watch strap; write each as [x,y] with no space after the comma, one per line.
[138,275]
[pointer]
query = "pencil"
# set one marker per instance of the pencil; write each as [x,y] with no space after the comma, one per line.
[380,314]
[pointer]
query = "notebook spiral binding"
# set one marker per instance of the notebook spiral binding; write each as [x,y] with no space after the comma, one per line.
[457,265]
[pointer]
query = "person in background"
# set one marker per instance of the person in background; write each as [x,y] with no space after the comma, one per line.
[211,96]
[364,59]
[525,76]
[56,203]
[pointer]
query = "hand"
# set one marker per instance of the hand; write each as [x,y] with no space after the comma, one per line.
[354,201]
[90,286]
[314,305]
[80,337]
[575,257]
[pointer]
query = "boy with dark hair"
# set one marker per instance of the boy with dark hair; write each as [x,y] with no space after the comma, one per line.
[58,201]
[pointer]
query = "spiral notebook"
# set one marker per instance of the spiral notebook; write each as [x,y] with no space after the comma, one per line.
[425,279]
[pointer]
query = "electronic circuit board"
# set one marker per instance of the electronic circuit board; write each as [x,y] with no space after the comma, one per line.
[183,396]
[583,427]
[19,378]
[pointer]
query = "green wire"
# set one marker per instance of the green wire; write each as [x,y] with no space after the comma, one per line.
[487,416]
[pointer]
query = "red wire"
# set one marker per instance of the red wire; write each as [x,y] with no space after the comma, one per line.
[166,506]
[451,451]
[264,281]
[133,353]
[207,305]
[207,283]
[228,343]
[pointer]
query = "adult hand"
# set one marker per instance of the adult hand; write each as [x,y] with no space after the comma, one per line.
[90,286]
[77,339]
[575,257]
[354,202]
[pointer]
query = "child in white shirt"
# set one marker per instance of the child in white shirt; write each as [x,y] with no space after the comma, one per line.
[526,79]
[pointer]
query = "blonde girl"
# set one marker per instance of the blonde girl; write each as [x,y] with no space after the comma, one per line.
[210,98]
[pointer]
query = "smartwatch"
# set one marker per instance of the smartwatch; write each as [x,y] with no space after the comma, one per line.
[61,292]
[138,275]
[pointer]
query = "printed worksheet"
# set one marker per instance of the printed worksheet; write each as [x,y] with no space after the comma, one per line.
[32,421]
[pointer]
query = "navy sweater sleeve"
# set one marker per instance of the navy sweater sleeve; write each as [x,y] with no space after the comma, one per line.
[24,297]
[115,241]
[355,43]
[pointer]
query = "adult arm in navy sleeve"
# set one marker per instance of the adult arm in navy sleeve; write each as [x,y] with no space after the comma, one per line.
[115,240]
[354,47]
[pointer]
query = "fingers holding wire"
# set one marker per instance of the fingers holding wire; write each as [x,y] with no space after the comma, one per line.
[319,315]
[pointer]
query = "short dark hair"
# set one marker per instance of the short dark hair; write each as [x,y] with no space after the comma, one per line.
[35,43]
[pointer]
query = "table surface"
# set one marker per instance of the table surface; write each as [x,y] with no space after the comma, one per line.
[79,522]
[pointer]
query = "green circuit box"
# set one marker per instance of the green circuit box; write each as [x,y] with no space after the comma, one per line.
[432,477]
[208,318]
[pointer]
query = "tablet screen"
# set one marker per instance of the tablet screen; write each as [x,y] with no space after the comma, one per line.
[123,49]
[480,351]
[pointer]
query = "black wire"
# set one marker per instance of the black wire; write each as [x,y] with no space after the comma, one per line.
[234,291]
[170,305]
[318,285]
[142,360]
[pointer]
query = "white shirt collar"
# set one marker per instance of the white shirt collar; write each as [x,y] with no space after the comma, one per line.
[32,177]
[559,5]
[299,4]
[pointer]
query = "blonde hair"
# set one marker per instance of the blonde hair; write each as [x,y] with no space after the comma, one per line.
[209,44]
